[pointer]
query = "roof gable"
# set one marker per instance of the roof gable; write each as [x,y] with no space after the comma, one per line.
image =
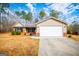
[26,24]
[53,18]
[18,25]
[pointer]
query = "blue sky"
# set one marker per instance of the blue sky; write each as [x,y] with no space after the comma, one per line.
[67,11]
[26,6]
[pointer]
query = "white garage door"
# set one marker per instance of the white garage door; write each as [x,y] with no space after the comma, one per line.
[51,31]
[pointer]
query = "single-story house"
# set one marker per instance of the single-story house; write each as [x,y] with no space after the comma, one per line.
[49,26]
[28,27]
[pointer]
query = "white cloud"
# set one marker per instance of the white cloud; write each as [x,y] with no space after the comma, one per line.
[77,7]
[30,6]
[71,19]
[32,9]
[72,8]
[46,11]
[20,9]
[26,11]
[66,13]
[61,7]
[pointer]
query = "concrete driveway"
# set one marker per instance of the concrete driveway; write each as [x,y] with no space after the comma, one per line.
[58,47]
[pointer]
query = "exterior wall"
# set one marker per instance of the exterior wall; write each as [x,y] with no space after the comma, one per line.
[24,30]
[13,29]
[51,23]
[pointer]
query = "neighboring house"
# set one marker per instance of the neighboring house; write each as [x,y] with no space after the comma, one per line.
[29,27]
[47,27]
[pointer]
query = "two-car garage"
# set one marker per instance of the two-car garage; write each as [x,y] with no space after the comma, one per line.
[52,27]
[51,31]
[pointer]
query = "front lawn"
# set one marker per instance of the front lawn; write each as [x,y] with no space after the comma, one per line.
[74,37]
[18,45]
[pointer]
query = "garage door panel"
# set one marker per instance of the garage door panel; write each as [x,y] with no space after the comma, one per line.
[51,31]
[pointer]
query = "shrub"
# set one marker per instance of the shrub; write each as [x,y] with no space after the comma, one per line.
[69,32]
[13,33]
[70,36]
[17,32]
